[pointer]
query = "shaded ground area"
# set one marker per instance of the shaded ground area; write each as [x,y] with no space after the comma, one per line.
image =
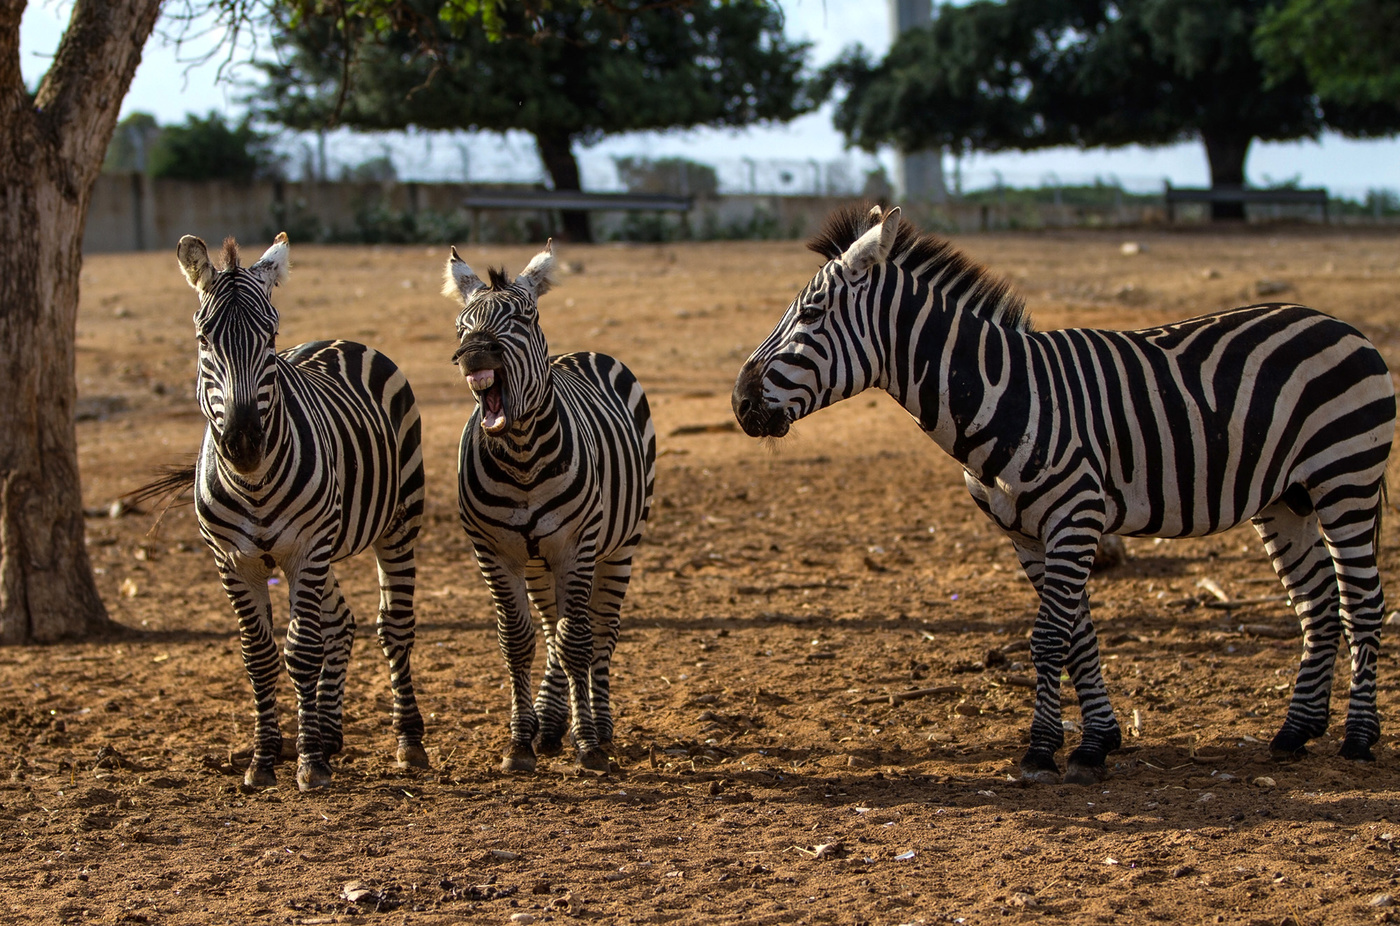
[768,769]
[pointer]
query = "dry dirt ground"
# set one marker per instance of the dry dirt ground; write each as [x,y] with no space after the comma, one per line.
[767,770]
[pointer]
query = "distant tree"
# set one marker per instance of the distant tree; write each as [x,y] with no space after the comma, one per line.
[678,176]
[130,148]
[211,149]
[1348,49]
[1026,74]
[574,73]
[378,169]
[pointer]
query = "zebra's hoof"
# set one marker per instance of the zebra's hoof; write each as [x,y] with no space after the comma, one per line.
[518,761]
[593,760]
[1078,774]
[1357,751]
[259,776]
[1288,746]
[1037,768]
[312,774]
[550,745]
[411,755]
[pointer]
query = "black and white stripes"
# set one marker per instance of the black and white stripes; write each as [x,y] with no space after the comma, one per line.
[1272,413]
[555,479]
[310,456]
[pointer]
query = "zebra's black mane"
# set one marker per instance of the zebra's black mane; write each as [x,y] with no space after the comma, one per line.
[497,278]
[230,253]
[928,255]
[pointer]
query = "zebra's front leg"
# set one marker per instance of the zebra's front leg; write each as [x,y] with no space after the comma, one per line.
[305,655]
[395,628]
[552,699]
[515,634]
[246,588]
[574,638]
[338,633]
[1101,733]
[1063,574]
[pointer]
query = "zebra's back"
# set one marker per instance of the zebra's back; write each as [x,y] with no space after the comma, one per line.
[1193,427]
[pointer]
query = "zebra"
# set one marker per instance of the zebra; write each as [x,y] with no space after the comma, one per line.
[310,455]
[555,476]
[1276,413]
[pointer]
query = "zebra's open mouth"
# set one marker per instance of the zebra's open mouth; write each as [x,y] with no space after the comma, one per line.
[489,388]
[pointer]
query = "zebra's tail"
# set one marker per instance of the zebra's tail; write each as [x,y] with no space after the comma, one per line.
[1380,515]
[172,488]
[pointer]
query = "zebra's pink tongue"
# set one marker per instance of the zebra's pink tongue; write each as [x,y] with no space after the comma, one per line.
[493,415]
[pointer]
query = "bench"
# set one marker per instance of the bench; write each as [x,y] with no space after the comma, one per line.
[1277,196]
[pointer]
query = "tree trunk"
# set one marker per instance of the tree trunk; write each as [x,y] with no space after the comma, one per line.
[557,152]
[51,150]
[1226,154]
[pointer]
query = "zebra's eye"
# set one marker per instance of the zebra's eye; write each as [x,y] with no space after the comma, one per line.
[810,313]
[202,341]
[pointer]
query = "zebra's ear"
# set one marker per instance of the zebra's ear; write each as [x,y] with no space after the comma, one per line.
[458,280]
[273,266]
[538,275]
[874,246]
[872,218]
[193,256]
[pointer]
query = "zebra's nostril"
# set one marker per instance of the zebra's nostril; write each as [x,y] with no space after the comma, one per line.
[745,406]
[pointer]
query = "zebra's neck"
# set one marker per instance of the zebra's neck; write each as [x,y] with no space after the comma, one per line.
[521,443]
[951,363]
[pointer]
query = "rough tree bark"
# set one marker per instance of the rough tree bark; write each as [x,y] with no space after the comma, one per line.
[51,149]
[1226,153]
[557,153]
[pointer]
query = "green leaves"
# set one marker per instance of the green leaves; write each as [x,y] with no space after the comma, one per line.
[1348,49]
[1025,74]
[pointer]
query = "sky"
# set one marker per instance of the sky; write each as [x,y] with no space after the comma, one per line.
[172,82]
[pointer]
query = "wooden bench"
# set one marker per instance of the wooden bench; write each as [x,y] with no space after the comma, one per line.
[1277,196]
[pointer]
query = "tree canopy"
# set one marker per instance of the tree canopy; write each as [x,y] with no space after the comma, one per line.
[1026,74]
[1348,49]
[572,73]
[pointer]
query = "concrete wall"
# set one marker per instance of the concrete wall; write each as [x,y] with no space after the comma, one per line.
[131,212]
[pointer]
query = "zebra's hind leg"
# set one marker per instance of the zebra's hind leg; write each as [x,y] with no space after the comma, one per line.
[1350,522]
[338,631]
[610,582]
[395,629]
[1303,565]
[552,700]
[249,597]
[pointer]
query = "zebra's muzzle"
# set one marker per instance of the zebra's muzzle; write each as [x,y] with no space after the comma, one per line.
[241,445]
[756,417]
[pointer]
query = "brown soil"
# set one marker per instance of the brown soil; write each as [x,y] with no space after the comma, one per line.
[783,596]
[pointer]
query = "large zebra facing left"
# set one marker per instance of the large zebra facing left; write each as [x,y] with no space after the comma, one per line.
[310,456]
[1274,414]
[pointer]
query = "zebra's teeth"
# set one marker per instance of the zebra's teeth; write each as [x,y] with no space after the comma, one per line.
[481,380]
